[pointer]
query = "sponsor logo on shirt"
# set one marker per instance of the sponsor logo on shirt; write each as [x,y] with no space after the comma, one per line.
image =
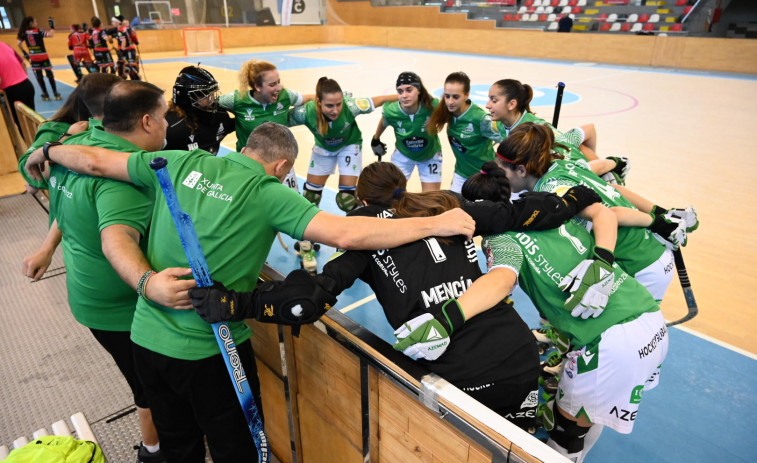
[415,143]
[249,116]
[469,128]
[386,264]
[192,179]
[445,291]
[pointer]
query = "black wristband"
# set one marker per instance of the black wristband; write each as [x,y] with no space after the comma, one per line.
[451,316]
[604,254]
[64,136]
[46,148]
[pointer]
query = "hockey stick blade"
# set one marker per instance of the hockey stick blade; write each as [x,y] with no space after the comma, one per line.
[688,293]
[191,244]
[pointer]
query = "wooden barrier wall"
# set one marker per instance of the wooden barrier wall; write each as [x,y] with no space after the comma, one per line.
[713,54]
[326,385]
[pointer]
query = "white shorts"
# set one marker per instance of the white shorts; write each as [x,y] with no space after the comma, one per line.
[658,275]
[323,161]
[575,136]
[605,383]
[457,182]
[291,180]
[430,170]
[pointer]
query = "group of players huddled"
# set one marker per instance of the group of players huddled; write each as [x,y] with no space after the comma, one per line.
[597,278]
[80,41]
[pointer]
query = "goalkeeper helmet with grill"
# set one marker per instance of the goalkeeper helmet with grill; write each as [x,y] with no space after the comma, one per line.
[196,88]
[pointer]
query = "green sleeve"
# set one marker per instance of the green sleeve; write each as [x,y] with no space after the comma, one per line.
[227,102]
[47,132]
[489,129]
[119,203]
[297,116]
[360,105]
[502,250]
[288,211]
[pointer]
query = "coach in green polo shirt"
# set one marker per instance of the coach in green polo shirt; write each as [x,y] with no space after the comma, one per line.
[237,204]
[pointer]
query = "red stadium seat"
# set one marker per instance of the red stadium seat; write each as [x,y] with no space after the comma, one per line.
[528,3]
[602,17]
[677,27]
[516,17]
[555,2]
[508,17]
[605,27]
[625,27]
[648,27]
[643,18]
[576,10]
[687,9]
[542,17]
[680,2]
[573,2]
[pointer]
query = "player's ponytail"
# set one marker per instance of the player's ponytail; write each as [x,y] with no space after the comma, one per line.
[490,184]
[512,89]
[251,74]
[529,145]
[323,87]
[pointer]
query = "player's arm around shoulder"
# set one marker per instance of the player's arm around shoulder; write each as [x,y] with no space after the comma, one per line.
[90,160]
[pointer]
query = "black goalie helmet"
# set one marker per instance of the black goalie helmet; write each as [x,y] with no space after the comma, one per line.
[197,88]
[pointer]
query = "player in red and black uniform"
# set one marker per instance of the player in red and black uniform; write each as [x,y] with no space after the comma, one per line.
[126,41]
[78,41]
[34,38]
[99,43]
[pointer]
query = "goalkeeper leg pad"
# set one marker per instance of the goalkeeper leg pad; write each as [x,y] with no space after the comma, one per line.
[568,435]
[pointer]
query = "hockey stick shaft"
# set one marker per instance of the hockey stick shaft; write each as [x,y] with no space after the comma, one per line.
[558,104]
[688,293]
[191,244]
[141,63]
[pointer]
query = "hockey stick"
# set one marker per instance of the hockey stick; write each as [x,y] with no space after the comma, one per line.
[558,104]
[688,293]
[141,63]
[191,244]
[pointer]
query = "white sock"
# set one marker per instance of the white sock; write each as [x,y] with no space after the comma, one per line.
[591,438]
[152,448]
[563,451]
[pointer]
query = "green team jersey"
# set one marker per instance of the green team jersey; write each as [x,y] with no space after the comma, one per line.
[525,117]
[542,259]
[470,136]
[250,113]
[83,207]
[410,130]
[48,131]
[237,210]
[567,145]
[636,248]
[342,132]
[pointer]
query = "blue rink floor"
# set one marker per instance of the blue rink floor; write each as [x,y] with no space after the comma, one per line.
[702,411]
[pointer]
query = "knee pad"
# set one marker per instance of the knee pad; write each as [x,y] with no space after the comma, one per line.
[568,434]
[312,193]
[346,200]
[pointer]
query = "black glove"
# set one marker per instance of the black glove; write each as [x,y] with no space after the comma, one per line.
[297,300]
[51,22]
[579,197]
[379,148]
[26,56]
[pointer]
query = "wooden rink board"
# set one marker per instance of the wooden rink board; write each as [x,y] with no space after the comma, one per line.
[678,128]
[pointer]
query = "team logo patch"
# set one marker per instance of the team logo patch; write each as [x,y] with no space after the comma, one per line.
[53,181]
[192,179]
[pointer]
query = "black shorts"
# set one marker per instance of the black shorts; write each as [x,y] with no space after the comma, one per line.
[119,346]
[103,58]
[130,56]
[190,399]
[514,401]
[43,65]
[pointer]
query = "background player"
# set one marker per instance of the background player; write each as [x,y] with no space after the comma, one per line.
[34,38]
[78,42]
[409,117]
[99,44]
[126,42]
[470,130]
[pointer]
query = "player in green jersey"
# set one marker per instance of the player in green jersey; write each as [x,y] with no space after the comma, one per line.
[617,353]
[409,117]
[509,106]
[470,130]
[338,139]
[532,163]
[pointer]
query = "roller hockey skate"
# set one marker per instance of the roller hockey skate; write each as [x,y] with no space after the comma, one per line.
[552,366]
[45,97]
[307,251]
[57,96]
[546,336]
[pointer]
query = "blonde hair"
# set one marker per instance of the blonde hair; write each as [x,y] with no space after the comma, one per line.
[251,73]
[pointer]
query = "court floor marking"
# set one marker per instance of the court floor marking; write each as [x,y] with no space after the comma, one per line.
[359,303]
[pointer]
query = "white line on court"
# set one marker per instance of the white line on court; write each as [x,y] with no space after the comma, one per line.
[357,304]
[718,342]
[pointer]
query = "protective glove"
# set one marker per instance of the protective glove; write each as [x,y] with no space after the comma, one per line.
[579,197]
[688,216]
[619,173]
[543,211]
[669,230]
[298,300]
[427,336]
[51,22]
[590,284]
[379,148]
